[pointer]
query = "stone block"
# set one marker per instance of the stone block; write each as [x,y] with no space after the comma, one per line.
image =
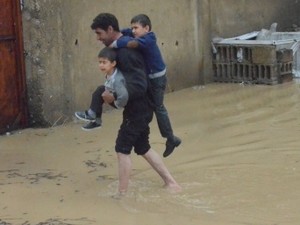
[264,55]
[285,55]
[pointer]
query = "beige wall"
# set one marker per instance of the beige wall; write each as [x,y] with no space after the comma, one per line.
[61,49]
[234,17]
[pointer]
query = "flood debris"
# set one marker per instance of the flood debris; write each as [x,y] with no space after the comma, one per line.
[258,57]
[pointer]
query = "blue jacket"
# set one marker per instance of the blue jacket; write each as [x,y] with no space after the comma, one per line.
[148,47]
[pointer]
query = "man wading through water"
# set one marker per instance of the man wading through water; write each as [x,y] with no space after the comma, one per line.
[138,113]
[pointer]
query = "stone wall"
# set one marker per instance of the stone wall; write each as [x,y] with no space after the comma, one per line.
[61,49]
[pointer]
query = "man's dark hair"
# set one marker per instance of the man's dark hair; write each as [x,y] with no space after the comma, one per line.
[104,20]
[143,19]
[108,53]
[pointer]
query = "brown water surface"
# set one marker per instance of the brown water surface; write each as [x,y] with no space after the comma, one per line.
[239,163]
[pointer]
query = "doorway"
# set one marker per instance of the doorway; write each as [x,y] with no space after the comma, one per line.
[13,98]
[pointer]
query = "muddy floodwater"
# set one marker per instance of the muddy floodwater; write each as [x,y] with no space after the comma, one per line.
[239,164]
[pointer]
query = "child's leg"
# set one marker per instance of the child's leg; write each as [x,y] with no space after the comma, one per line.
[94,113]
[97,101]
[158,86]
[96,109]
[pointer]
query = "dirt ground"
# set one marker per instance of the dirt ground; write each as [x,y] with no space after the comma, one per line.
[239,164]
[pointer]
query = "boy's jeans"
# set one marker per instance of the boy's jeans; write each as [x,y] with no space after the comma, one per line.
[158,87]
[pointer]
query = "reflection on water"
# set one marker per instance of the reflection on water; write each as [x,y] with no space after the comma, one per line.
[238,164]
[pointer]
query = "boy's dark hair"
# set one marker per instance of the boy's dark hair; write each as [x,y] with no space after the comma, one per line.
[143,19]
[104,20]
[108,53]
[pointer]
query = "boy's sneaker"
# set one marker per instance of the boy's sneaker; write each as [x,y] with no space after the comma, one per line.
[84,116]
[91,126]
[170,145]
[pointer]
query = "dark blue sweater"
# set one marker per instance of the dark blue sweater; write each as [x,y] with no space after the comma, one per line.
[148,47]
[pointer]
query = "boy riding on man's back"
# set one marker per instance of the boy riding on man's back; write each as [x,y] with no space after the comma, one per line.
[141,37]
[134,130]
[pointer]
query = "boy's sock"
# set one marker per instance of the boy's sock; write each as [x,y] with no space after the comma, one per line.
[91,113]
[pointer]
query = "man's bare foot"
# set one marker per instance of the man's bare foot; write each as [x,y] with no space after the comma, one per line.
[173,188]
[119,195]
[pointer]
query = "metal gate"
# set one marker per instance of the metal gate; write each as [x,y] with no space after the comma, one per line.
[13,102]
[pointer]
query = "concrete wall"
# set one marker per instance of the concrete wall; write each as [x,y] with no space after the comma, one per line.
[231,17]
[61,49]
